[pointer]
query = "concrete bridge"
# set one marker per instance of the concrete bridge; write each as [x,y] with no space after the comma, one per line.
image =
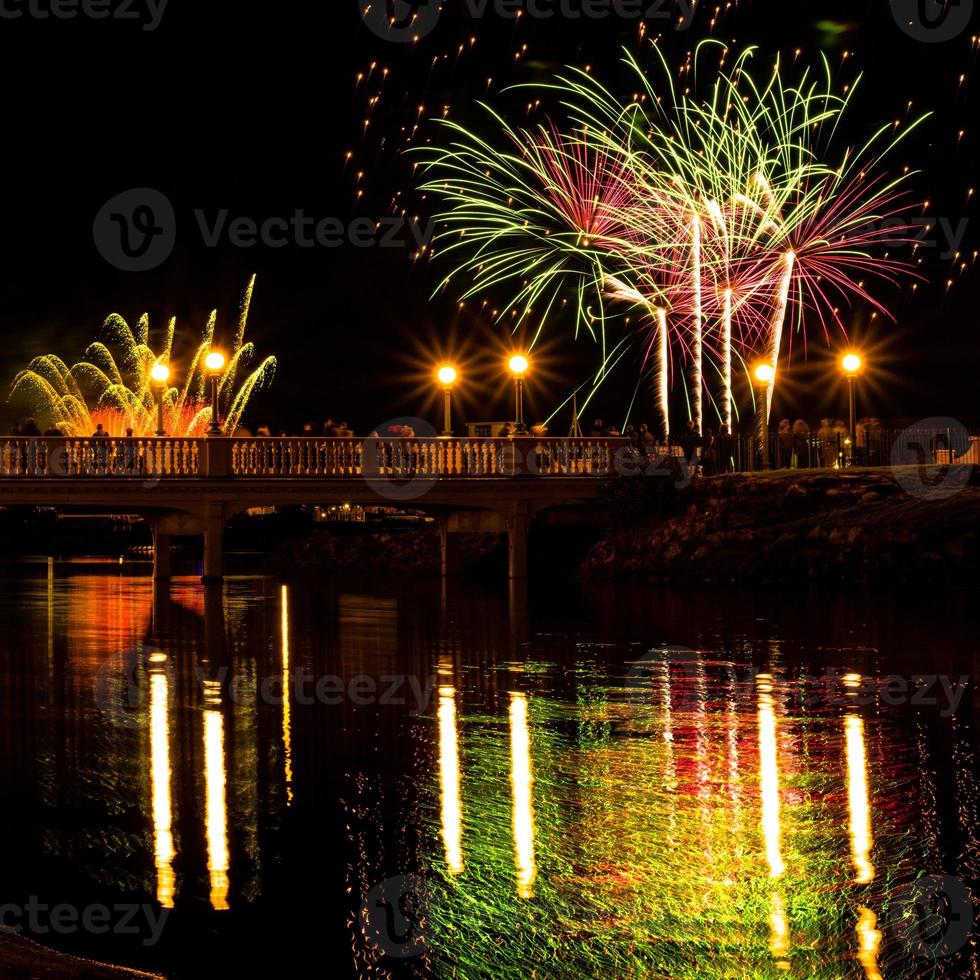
[193,486]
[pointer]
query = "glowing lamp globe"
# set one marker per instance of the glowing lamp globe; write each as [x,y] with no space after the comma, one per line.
[518,365]
[215,361]
[447,376]
[851,363]
[764,374]
[160,373]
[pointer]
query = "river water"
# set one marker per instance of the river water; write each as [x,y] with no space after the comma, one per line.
[468,781]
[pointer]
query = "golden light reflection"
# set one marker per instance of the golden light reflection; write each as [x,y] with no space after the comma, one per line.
[779,931]
[216,812]
[869,941]
[452,809]
[287,731]
[160,775]
[858,799]
[520,780]
[769,769]
[779,936]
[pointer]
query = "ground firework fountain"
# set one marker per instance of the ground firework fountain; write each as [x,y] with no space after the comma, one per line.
[114,386]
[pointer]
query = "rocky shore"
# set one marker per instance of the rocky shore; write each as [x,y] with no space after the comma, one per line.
[853,526]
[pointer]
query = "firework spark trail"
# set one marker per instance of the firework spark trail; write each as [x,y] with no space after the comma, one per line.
[697,325]
[726,361]
[779,318]
[663,374]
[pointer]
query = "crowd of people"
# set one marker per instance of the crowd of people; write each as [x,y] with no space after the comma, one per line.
[791,444]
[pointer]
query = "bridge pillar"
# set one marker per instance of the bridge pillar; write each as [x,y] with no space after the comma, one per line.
[161,554]
[450,551]
[518,522]
[214,534]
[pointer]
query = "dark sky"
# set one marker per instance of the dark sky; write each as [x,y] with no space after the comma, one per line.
[253,108]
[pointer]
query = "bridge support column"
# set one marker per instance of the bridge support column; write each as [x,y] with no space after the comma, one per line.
[450,551]
[161,554]
[214,535]
[518,522]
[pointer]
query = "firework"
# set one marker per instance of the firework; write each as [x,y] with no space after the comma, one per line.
[719,208]
[112,385]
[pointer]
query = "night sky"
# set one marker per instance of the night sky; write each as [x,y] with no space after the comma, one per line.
[255,108]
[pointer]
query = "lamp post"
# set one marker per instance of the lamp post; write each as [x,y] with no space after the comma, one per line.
[160,374]
[447,376]
[215,363]
[518,365]
[852,364]
[765,375]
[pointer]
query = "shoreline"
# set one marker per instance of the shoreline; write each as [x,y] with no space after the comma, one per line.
[24,959]
[838,527]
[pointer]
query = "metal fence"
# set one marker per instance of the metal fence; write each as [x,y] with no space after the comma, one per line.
[872,448]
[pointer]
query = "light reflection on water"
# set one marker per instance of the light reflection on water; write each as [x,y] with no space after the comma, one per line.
[722,818]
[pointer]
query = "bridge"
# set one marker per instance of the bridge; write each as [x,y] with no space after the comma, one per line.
[194,486]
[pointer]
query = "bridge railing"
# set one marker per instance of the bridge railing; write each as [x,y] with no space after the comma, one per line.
[286,457]
[99,457]
[403,458]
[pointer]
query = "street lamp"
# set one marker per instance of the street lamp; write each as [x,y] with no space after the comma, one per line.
[160,375]
[518,365]
[215,363]
[447,378]
[852,364]
[765,374]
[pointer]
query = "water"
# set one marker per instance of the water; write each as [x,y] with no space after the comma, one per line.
[625,782]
